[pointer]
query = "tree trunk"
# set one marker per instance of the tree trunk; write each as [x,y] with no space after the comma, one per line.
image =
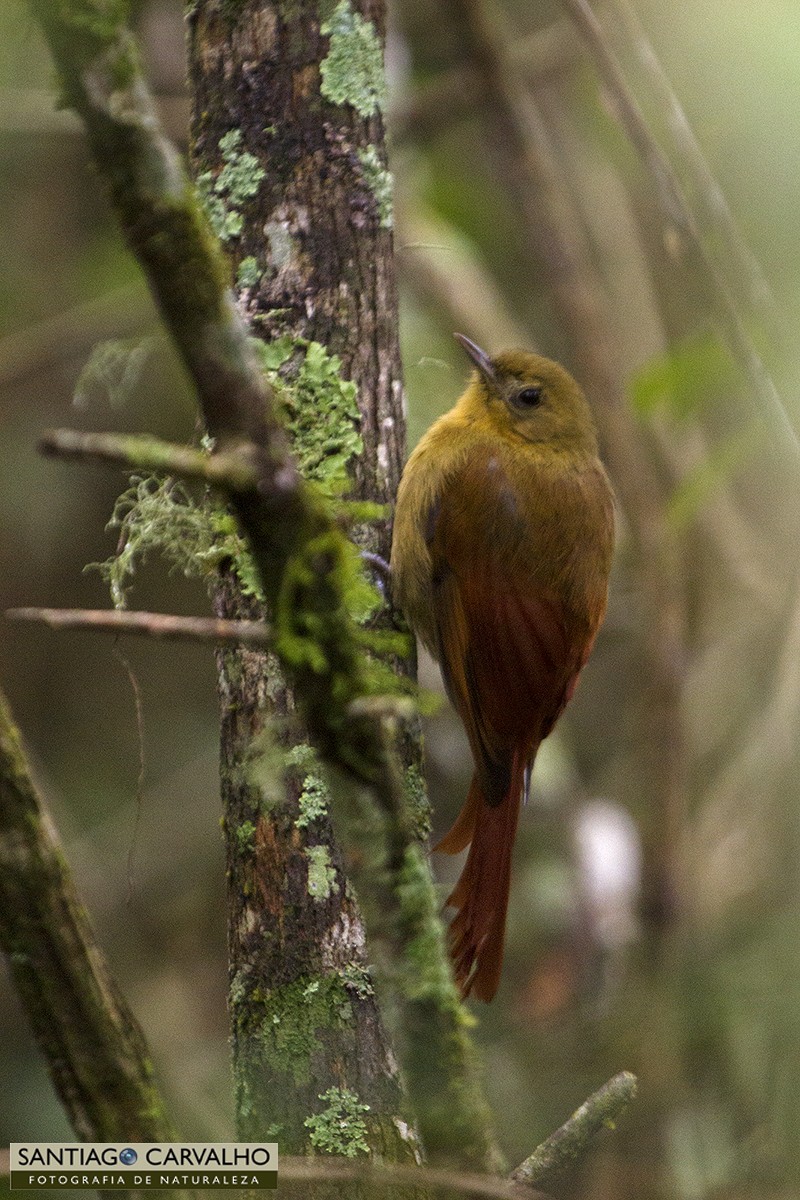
[289,152]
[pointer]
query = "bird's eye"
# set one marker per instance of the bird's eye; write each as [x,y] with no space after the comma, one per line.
[529,397]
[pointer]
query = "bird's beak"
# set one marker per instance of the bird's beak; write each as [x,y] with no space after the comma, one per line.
[479,357]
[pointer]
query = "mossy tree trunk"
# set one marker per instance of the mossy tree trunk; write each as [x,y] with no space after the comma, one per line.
[289,152]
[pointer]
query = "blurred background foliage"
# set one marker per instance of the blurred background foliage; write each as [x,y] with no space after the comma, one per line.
[655,906]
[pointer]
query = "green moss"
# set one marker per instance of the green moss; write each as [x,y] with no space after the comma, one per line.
[379,181]
[352,71]
[426,971]
[418,805]
[321,873]
[224,194]
[339,1129]
[285,1024]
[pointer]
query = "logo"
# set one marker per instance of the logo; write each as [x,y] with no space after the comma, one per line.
[143,1166]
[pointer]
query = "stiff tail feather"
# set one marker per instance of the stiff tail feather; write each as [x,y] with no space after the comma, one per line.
[477,932]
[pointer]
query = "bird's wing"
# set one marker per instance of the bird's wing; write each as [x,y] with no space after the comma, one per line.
[504,642]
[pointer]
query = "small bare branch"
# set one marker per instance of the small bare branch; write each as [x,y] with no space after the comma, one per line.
[148,624]
[568,1143]
[231,469]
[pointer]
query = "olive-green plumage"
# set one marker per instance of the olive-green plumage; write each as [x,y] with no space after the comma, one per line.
[501,552]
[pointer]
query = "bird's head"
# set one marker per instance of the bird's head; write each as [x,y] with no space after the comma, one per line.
[530,396]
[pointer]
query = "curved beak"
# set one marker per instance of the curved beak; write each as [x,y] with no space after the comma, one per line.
[479,357]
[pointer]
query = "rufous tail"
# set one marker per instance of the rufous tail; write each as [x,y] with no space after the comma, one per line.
[477,932]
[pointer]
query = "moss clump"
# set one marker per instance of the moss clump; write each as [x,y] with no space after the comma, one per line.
[378,179]
[426,972]
[339,1129]
[162,515]
[352,71]
[417,803]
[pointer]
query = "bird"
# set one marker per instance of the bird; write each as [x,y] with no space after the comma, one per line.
[502,545]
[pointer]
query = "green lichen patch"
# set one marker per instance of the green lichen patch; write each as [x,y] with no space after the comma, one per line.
[321,873]
[286,1024]
[314,794]
[319,409]
[248,274]
[339,1129]
[378,179]
[358,980]
[223,195]
[352,71]
[313,801]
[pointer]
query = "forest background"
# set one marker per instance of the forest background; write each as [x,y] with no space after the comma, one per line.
[680,752]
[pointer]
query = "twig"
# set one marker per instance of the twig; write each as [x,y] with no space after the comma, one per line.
[91,1041]
[148,624]
[232,470]
[601,1110]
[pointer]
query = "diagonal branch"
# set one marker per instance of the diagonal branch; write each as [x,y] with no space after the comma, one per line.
[93,1046]
[303,560]
[600,1111]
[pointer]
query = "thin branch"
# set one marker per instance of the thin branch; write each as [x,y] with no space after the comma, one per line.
[93,1046]
[148,624]
[570,1142]
[771,408]
[711,207]
[303,561]
[231,470]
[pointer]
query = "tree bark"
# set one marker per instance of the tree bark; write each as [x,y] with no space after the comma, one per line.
[314,264]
